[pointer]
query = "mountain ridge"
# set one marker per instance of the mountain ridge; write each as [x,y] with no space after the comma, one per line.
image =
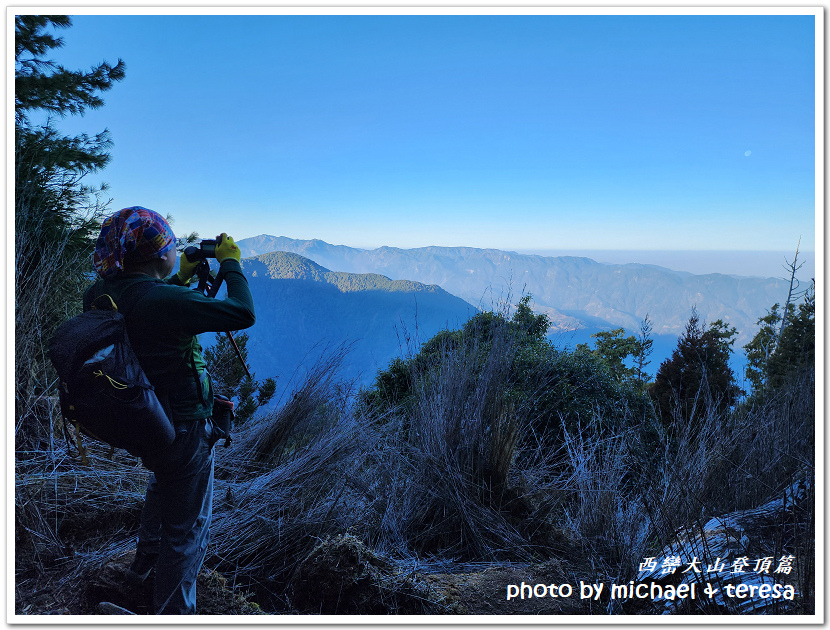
[260,244]
[291,266]
[575,292]
[305,310]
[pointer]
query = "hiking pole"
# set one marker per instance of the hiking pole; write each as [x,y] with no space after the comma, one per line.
[238,353]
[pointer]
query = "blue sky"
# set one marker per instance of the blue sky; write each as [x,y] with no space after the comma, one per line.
[515,132]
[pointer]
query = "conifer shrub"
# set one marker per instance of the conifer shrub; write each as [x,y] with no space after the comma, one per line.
[56,213]
[697,374]
[776,355]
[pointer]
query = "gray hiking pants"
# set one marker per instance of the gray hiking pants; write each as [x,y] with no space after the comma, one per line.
[175,520]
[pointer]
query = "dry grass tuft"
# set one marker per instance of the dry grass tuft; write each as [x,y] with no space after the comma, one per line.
[625,508]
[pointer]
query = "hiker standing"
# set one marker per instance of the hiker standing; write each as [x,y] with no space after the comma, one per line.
[136,246]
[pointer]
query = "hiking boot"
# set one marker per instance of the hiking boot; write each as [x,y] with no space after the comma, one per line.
[142,566]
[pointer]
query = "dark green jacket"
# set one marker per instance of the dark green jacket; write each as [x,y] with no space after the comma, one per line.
[163,325]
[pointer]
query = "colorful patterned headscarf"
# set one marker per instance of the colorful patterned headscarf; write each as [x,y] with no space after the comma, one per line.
[136,232]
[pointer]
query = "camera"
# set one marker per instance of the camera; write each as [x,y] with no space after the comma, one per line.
[206,249]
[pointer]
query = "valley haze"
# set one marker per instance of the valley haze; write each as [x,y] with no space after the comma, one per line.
[312,296]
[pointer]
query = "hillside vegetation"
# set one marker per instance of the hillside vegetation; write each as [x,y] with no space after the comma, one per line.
[288,266]
[308,308]
[484,447]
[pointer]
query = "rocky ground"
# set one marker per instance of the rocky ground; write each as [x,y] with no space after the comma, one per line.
[58,593]
[340,577]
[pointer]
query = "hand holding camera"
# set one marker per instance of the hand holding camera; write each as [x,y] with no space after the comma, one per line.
[195,262]
[187,268]
[220,249]
[226,248]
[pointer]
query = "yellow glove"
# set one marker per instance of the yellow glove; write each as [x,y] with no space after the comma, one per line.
[186,269]
[226,248]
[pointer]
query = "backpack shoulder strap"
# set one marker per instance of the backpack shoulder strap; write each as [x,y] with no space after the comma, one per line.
[125,303]
[91,294]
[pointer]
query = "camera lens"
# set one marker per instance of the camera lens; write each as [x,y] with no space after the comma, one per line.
[193,254]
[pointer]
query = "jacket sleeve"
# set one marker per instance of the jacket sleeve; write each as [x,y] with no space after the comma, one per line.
[194,314]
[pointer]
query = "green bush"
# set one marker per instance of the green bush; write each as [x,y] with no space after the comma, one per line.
[556,387]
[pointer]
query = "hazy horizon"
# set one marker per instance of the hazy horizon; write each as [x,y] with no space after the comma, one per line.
[764,264]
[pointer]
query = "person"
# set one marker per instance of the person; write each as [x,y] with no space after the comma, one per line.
[136,245]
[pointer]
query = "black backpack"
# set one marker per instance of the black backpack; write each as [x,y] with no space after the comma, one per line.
[104,392]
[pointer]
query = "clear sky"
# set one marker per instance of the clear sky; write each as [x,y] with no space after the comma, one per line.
[514,132]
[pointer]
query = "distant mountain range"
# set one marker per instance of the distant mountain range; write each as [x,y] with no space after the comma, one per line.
[576,293]
[304,309]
